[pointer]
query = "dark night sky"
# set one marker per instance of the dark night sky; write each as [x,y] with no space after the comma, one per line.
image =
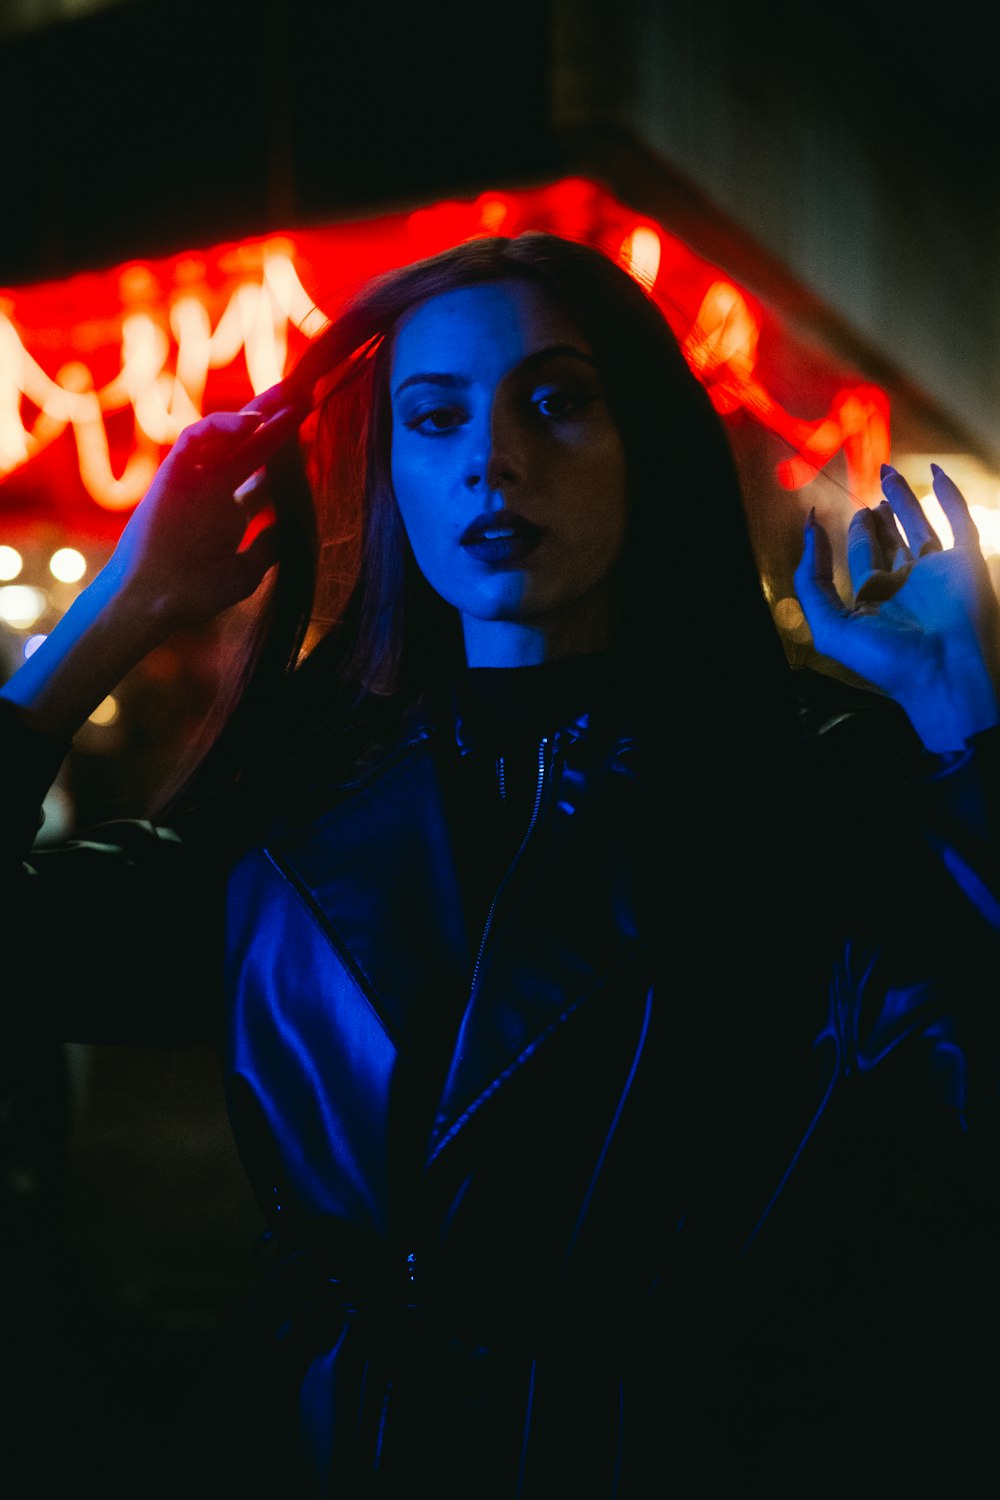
[141,128]
[151,124]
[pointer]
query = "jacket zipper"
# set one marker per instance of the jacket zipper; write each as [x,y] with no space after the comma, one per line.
[411,1258]
[532,821]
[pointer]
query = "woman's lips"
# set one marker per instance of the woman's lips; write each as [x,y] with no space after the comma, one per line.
[503,537]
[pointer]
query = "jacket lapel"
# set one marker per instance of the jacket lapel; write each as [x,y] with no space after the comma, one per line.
[379,871]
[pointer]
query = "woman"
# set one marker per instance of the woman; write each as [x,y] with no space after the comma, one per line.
[511,899]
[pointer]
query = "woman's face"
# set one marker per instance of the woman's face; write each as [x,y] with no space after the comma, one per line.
[508,470]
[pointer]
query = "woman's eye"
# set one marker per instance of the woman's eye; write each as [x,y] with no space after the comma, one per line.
[556,404]
[435,419]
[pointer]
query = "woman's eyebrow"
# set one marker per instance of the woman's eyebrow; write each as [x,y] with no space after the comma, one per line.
[555,351]
[529,363]
[453,382]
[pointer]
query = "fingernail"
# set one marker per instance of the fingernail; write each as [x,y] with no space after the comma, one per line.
[249,485]
[936,470]
[885,471]
[811,518]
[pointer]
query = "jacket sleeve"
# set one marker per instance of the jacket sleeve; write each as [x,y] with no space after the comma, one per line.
[915,1003]
[963,823]
[111,936]
[911,839]
[911,862]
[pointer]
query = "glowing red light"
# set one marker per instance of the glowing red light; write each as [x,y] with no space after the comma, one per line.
[120,362]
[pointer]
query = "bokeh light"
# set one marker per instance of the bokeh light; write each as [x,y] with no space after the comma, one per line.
[106,712]
[67,564]
[21,605]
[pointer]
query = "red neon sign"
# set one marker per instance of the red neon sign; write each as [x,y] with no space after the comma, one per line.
[104,370]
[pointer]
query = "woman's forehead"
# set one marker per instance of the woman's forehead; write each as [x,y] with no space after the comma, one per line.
[486,329]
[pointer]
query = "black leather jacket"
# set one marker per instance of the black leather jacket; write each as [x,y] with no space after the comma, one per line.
[520,1182]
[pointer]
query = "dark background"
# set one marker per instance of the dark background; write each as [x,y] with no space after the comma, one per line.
[126,1227]
[150,125]
[157,124]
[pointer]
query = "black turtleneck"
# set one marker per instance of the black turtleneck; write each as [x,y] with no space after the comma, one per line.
[512,705]
[504,714]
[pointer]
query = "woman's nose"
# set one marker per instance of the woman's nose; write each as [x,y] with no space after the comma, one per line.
[497,472]
[493,461]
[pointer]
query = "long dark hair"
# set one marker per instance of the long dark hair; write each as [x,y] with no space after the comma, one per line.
[350,618]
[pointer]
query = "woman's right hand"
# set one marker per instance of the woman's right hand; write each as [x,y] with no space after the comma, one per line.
[190,550]
[201,539]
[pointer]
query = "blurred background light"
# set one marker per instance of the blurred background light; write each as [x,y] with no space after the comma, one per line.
[105,712]
[21,605]
[67,564]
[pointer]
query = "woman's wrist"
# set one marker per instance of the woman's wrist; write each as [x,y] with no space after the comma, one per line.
[948,712]
[107,630]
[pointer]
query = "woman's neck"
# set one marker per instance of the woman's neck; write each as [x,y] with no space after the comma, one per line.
[582,629]
[521,647]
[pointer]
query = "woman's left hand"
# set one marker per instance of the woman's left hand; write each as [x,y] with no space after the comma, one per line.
[924,625]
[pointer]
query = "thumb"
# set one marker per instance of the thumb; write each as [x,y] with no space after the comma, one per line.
[814,586]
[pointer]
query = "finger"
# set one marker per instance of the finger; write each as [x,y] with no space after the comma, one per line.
[892,542]
[814,586]
[262,444]
[253,505]
[920,534]
[252,492]
[277,398]
[956,509]
[222,428]
[219,427]
[865,552]
[267,402]
[877,558]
